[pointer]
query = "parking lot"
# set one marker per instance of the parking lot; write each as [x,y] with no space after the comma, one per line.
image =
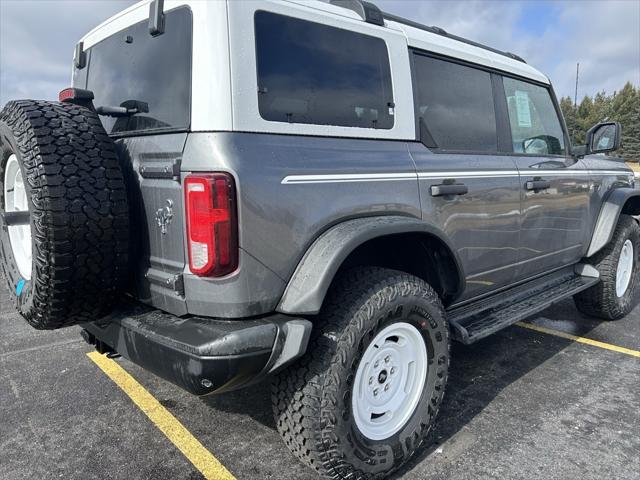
[522,404]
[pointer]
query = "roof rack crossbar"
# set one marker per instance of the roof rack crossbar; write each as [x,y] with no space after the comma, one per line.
[442,32]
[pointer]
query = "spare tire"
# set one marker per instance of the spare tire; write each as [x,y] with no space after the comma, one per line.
[64,217]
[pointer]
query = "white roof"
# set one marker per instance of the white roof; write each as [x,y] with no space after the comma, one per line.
[441,44]
[433,42]
[416,37]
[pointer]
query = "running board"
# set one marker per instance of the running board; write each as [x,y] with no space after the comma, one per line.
[471,322]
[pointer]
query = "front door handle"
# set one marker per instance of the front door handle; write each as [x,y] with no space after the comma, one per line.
[536,185]
[449,189]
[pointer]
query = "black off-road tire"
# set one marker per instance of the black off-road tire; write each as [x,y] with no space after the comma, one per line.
[312,398]
[79,216]
[601,300]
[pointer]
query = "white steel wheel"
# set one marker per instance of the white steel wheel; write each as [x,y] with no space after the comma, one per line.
[15,196]
[389,381]
[625,268]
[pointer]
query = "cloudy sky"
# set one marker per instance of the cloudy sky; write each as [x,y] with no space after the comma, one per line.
[37,37]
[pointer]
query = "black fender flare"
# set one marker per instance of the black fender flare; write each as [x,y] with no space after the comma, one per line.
[310,281]
[610,212]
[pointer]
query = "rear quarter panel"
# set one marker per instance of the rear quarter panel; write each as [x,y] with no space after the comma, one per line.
[279,220]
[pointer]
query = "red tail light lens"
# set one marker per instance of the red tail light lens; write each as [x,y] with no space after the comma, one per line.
[212,231]
[71,94]
[66,94]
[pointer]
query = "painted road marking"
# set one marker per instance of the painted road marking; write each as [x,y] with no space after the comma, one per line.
[587,341]
[190,447]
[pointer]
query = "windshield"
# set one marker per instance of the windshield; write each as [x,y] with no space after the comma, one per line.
[133,66]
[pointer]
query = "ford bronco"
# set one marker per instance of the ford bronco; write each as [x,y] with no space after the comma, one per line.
[318,193]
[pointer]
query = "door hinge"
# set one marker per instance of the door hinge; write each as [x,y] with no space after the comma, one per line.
[155,166]
[170,281]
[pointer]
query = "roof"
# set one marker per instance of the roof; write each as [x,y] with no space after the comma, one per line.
[417,35]
[436,40]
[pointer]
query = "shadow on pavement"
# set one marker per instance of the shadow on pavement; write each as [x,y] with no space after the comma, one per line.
[478,373]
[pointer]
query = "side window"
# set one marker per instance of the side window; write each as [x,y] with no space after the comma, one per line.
[535,126]
[317,74]
[455,102]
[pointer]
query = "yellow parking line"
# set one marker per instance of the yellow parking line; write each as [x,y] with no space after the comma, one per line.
[191,448]
[587,341]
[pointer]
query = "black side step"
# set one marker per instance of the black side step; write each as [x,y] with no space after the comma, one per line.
[470,323]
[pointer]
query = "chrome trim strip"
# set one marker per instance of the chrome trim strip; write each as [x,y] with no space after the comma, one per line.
[348,178]
[394,177]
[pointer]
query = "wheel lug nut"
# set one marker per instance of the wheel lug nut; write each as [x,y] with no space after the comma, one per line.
[386,387]
[387,359]
[393,370]
[376,365]
[370,380]
[375,392]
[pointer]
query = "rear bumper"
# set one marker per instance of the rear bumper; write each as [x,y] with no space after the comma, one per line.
[201,355]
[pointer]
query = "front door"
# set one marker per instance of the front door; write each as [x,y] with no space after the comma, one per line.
[555,188]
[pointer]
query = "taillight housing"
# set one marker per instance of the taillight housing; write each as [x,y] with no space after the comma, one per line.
[212,229]
[75,95]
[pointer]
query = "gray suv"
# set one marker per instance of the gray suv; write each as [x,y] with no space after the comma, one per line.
[319,193]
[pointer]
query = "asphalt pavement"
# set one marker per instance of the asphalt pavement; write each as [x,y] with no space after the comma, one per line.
[519,405]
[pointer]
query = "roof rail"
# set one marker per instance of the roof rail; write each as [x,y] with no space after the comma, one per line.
[370,13]
[444,33]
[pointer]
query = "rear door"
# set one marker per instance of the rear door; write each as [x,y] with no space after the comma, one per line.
[555,188]
[458,117]
[132,68]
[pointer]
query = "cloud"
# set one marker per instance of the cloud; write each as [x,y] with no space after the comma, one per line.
[37,38]
[604,36]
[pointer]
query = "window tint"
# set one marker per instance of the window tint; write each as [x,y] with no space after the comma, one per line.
[535,126]
[456,104]
[133,65]
[313,73]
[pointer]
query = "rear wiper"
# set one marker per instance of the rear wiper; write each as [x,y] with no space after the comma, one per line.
[127,108]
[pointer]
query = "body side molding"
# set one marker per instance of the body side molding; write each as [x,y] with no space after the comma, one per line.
[610,212]
[309,283]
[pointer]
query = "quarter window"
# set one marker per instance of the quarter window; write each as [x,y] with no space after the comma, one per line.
[535,126]
[455,102]
[317,74]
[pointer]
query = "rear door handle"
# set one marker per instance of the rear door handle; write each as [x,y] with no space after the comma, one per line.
[449,189]
[538,185]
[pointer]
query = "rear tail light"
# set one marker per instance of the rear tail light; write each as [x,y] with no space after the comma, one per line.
[212,230]
[75,94]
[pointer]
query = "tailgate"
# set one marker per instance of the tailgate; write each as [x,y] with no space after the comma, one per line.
[156,199]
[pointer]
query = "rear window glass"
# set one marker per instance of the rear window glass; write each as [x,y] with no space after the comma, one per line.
[456,104]
[313,73]
[134,66]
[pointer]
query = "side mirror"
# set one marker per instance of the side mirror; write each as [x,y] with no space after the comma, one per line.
[604,137]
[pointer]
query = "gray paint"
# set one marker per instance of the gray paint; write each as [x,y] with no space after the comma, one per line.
[312,278]
[554,222]
[608,218]
[157,257]
[293,189]
[278,222]
[603,185]
[482,225]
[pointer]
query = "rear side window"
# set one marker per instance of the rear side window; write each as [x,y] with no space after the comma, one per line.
[535,125]
[316,74]
[455,102]
[134,66]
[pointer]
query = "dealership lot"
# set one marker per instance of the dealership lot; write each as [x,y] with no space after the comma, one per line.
[521,404]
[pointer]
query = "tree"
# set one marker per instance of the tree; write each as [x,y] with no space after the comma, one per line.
[622,106]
